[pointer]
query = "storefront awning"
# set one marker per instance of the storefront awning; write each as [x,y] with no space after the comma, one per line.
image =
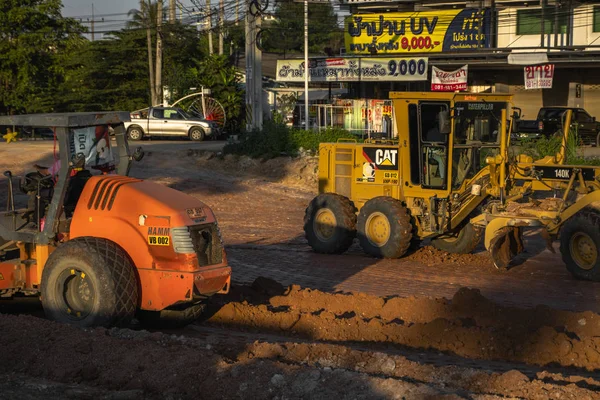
[527,58]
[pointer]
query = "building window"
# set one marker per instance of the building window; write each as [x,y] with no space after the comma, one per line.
[529,22]
[596,23]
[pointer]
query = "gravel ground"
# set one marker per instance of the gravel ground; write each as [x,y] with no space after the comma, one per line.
[409,329]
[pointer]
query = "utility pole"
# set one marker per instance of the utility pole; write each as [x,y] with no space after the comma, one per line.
[93,22]
[221,25]
[158,80]
[237,11]
[172,11]
[306,69]
[146,6]
[253,72]
[209,16]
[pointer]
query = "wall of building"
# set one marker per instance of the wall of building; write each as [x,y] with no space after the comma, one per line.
[582,23]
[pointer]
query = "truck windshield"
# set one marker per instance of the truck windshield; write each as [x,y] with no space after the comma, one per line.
[477,122]
[185,115]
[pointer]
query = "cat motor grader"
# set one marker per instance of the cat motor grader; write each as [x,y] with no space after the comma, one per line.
[101,247]
[450,177]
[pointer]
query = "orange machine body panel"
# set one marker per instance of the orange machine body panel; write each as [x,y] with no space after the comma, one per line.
[140,217]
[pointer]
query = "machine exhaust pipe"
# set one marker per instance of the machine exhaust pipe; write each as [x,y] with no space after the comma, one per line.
[10,202]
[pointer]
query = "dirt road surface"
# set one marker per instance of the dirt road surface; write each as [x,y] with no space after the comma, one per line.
[271,341]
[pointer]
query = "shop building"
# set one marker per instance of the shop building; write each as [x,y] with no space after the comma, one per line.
[497,40]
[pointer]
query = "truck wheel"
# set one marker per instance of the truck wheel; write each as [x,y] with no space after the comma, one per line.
[330,223]
[464,241]
[197,134]
[89,282]
[580,244]
[135,133]
[384,228]
[171,318]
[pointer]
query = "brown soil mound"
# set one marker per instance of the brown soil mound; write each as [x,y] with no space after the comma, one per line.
[300,172]
[431,256]
[46,360]
[469,325]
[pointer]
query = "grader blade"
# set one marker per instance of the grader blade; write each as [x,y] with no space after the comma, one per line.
[507,244]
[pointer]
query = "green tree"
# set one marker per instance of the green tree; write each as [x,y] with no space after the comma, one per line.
[145,18]
[106,74]
[33,35]
[215,72]
[286,33]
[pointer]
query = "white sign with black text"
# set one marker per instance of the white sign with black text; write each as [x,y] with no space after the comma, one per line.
[442,81]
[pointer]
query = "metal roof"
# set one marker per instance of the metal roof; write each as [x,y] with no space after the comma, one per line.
[66,120]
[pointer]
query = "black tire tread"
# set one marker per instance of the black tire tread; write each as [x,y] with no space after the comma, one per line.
[346,210]
[201,131]
[135,127]
[468,239]
[121,274]
[400,241]
[587,220]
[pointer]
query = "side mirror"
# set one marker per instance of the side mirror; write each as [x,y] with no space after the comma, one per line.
[516,112]
[444,122]
[593,119]
[138,154]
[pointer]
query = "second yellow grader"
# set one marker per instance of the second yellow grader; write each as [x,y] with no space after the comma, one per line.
[451,177]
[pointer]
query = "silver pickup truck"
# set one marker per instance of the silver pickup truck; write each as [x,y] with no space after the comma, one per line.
[169,121]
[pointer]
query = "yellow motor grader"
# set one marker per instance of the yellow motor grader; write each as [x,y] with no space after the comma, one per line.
[451,177]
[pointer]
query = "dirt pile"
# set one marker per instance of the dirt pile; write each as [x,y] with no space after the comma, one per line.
[469,325]
[300,172]
[455,379]
[42,358]
[429,255]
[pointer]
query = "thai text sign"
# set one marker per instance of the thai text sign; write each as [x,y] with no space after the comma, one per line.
[539,76]
[442,81]
[354,69]
[417,32]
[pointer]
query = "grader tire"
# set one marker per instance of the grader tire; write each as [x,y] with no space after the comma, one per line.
[171,318]
[384,228]
[330,223]
[580,245]
[89,282]
[464,242]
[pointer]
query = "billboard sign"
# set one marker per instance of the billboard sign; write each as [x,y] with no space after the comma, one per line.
[359,69]
[417,32]
[539,76]
[442,81]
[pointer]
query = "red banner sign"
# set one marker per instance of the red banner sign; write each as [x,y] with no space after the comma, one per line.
[539,76]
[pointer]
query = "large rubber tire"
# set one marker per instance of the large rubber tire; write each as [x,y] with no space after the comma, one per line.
[330,223]
[171,318]
[135,133]
[464,242]
[580,245]
[89,282]
[197,134]
[384,228]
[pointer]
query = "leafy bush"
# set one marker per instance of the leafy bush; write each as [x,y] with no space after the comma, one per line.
[276,139]
[543,147]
